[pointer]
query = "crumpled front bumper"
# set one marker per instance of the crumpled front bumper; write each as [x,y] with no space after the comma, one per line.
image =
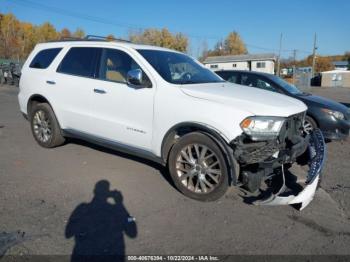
[317,156]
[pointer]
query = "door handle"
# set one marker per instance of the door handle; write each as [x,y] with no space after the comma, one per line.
[99,91]
[50,82]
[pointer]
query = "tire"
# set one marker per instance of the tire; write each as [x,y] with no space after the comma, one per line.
[45,127]
[309,124]
[194,171]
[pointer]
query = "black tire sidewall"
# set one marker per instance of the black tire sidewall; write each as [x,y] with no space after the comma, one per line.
[203,139]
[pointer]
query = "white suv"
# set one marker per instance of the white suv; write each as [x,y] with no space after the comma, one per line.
[165,106]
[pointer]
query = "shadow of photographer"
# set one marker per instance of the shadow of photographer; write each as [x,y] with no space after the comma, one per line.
[99,227]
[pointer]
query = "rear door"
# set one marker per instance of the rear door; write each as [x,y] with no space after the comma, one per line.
[73,86]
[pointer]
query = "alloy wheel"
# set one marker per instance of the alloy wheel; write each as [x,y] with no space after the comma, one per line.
[308,127]
[42,126]
[198,168]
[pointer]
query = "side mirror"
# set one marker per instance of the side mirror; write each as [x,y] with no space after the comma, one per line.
[134,77]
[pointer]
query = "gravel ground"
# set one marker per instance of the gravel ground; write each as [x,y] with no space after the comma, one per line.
[48,195]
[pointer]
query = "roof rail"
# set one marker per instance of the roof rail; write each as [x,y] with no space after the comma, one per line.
[70,38]
[65,39]
[89,38]
[104,38]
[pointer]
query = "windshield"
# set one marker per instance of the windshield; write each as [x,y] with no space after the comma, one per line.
[178,68]
[292,89]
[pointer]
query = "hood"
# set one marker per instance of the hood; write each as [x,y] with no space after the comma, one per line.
[325,103]
[250,99]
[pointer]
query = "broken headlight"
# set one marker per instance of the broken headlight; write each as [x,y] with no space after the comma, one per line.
[262,127]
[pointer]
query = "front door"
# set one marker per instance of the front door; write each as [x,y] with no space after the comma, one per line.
[123,113]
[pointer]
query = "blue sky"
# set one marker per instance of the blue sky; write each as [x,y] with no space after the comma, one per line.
[259,22]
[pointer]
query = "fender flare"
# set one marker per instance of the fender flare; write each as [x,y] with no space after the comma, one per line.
[43,100]
[168,142]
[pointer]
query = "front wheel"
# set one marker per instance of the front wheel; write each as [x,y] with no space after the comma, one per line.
[198,167]
[309,125]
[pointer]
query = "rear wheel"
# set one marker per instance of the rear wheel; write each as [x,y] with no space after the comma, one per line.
[198,167]
[45,127]
[309,124]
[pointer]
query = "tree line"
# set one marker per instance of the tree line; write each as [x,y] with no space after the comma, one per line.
[18,38]
[322,63]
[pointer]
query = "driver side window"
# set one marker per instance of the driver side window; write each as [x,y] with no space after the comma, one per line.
[115,65]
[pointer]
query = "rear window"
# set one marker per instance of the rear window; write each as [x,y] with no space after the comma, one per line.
[44,58]
[80,61]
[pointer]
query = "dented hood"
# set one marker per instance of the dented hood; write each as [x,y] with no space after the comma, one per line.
[253,100]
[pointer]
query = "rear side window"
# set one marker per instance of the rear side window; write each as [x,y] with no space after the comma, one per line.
[44,58]
[80,61]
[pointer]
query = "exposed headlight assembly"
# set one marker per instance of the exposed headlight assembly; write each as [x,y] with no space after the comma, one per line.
[336,114]
[262,127]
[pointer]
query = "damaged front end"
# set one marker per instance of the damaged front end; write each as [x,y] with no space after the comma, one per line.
[265,164]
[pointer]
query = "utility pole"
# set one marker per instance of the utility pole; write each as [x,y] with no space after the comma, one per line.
[314,57]
[279,57]
[294,64]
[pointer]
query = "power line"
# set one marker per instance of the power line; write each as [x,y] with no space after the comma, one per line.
[35,5]
[314,56]
[65,12]
[279,56]
[294,64]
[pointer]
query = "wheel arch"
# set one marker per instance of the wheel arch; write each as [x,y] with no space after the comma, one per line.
[37,98]
[177,131]
[311,115]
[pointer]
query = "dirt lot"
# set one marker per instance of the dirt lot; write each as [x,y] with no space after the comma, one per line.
[48,194]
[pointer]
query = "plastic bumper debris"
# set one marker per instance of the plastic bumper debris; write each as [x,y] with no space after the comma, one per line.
[317,156]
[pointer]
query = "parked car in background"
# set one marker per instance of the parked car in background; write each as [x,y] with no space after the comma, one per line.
[165,106]
[330,116]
